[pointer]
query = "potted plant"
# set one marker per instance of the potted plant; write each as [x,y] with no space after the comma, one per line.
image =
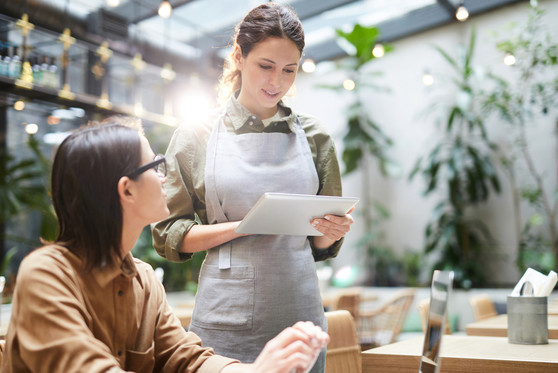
[459,168]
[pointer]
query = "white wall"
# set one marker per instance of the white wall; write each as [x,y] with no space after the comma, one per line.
[399,115]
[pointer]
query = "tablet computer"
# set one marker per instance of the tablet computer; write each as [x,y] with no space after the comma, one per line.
[291,214]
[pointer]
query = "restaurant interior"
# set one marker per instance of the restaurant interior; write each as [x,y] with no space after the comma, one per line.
[444,115]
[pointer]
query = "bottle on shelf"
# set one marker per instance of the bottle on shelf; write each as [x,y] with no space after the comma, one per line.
[55,73]
[15,65]
[37,75]
[44,72]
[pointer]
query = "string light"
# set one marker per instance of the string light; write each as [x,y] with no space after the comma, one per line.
[427,79]
[349,84]
[462,14]
[113,3]
[165,9]
[53,120]
[31,128]
[19,105]
[308,66]
[378,51]
[509,59]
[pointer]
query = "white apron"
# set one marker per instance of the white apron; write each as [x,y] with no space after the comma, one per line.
[253,287]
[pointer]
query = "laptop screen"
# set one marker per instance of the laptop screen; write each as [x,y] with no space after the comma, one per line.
[439,294]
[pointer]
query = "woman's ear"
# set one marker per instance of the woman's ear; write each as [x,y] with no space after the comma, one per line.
[125,189]
[237,57]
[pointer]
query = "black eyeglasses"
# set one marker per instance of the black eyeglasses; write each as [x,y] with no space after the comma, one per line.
[159,164]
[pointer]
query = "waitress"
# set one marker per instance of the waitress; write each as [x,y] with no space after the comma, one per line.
[252,286]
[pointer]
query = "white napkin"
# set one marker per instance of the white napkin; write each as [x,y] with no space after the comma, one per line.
[542,285]
[549,284]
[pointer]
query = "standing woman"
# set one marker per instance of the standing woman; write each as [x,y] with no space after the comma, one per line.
[251,287]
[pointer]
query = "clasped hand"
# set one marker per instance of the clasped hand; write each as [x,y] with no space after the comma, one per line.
[334,227]
[294,350]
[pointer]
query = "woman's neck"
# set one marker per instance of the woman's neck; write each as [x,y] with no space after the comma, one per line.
[130,236]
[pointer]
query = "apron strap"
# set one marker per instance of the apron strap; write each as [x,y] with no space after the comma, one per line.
[225,256]
[216,212]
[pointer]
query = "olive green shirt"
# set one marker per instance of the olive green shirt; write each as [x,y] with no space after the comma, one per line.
[185,183]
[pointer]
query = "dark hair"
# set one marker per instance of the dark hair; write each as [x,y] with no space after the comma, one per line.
[85,174]
[262,22]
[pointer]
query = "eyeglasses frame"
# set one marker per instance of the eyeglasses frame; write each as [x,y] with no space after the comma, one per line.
[159,158]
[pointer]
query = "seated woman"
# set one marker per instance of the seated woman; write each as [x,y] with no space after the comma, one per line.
[85,304]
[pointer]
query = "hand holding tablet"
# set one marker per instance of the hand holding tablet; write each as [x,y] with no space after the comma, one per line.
[291,214]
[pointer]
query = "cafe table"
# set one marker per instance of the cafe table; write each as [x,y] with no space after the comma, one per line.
[463,353]
[497,326]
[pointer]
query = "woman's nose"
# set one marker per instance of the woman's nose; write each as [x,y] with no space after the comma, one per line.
[275,79]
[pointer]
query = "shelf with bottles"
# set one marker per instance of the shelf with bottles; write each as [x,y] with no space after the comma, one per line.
[82,72]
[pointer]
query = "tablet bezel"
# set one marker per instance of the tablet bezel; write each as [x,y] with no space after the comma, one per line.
[291,214]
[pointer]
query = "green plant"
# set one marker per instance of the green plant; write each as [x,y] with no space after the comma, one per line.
[364,142]
[460,168]
[526,101]
[177,276]
[22,190]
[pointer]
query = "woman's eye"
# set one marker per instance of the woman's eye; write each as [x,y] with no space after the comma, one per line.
[265,67]
[289,71]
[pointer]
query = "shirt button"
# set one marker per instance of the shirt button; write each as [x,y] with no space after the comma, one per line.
[119,352]
[253,117]
[120,292]
[250,123]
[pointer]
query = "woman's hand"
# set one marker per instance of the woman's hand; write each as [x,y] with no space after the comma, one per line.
[295,349]
[334,227]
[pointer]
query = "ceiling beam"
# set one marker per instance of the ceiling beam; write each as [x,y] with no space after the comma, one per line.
[414,22]
[448,6]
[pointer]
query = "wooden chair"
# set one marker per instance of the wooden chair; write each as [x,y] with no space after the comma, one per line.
[483,306]
[343,349]
[349,299]
[382,325]
[423,306]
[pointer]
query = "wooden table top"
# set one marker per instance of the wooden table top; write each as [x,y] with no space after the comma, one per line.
[497,326]
[461,353]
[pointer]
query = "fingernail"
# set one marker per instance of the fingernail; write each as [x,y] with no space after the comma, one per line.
[327,217]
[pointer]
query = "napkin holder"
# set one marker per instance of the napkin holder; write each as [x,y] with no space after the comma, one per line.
[527,320]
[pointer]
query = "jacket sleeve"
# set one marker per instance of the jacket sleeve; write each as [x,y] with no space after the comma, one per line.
[184,167]
[49,301]
[329,175]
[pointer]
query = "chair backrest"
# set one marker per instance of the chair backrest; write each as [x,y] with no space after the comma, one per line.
[343,349]
[483,306]
[423,306]
[349,299]
[382,325]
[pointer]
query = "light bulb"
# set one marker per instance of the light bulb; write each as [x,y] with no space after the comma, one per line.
[427,79]
[19,105]
[378,51]
[165,9]
[308,66]
[113,3]
[349,84]
[31,128]
[462,14]
[509,59]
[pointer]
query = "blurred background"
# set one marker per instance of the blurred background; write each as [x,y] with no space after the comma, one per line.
[443,112]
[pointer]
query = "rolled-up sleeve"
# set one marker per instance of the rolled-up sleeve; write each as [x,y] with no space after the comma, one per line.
[185,193]
[329,174]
